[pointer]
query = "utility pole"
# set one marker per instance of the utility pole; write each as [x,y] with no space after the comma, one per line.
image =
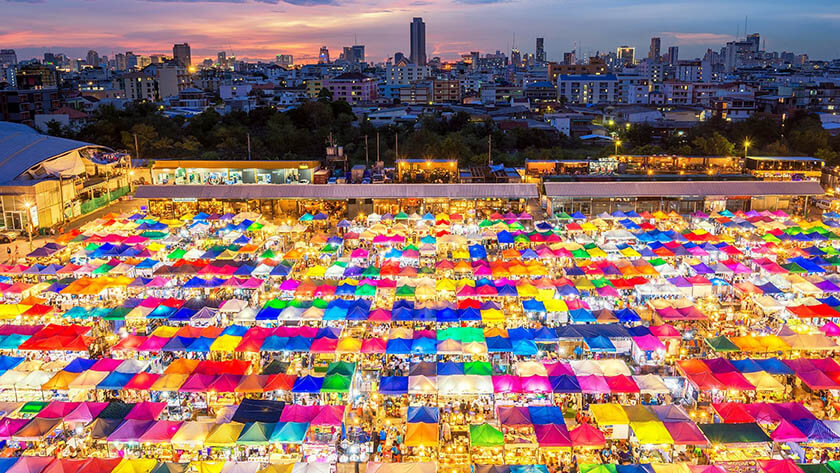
[377,147]
[136,147]
[489,150]
[249,146]
[61,195]
[396,146]
[367,161]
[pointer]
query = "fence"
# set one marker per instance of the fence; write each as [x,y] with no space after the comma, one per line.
[89,206]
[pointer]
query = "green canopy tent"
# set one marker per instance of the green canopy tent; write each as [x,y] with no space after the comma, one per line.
[255,433]
[721,344]
[485,435]
[734,433]
[480,368]
[336,383]
[344,368]
[405,291]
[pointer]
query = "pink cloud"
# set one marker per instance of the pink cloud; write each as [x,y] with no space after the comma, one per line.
[683,38]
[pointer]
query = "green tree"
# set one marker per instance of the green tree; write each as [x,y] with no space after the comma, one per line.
[325,94]
[714,145]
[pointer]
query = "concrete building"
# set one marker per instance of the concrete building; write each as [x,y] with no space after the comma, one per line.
[181,53]
[446,91]
[492,94]
[540,50]
[8,57]
[54,179]
[673,54]
[588,89]
[689,71]
[352,87]
[405,73]
[36,77]
[626,55]
[683,197]
[594,67]
[140,85]
[419,92]
[21,106]
[655,47]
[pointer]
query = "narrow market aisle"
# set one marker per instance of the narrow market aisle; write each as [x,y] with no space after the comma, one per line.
[20,247]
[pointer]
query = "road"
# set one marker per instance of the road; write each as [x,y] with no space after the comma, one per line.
[20,247]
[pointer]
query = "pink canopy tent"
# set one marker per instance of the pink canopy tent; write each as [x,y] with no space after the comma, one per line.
[552,435]
[779,466]
[507,384]
[787,432]
[535,384]
[329,415]
[586,435]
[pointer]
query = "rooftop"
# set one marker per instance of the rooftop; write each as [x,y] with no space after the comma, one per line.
[681,188]
[22,148]
[340,191]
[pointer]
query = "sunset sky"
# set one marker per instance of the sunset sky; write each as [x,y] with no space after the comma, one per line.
[261,29]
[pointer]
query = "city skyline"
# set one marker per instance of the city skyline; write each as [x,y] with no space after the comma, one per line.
[261,29]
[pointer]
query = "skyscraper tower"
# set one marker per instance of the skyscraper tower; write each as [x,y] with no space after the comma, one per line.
[181,53]
[655,47]
[324,55]
[540,52]
[673,55]
[418,42]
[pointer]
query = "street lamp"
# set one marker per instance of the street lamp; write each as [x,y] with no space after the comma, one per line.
[617,144]
[746,147]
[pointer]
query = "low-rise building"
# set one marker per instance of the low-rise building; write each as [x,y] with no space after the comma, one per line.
[352,87]
[588,89]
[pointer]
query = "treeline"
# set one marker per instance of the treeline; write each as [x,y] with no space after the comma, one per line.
[800,134]
[304,132]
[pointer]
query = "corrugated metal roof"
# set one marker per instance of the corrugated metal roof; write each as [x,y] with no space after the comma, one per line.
[681,188]
[22,147]
[340,191]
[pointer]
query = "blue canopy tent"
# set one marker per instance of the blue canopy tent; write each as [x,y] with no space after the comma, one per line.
[393,385]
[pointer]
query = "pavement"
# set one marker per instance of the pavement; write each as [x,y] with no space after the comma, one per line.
[20,247]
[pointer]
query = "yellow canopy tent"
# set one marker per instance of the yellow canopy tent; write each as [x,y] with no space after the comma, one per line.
[609,414]
[652,433]
[224,435]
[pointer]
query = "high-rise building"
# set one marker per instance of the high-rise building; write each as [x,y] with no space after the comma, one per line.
[181,53]
[120,63]
[285,60]
[626,55]
[569,58]
[8,57]
[324,55]
[221,59]
[755,40]
[92,58]
[358,53]
[398,58]
[418,42]
[655,45]
[132,61]
[540,51]
[515,58]
[50,59]
[673,54]
[36,77]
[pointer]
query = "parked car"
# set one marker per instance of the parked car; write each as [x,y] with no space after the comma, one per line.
[8,236]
